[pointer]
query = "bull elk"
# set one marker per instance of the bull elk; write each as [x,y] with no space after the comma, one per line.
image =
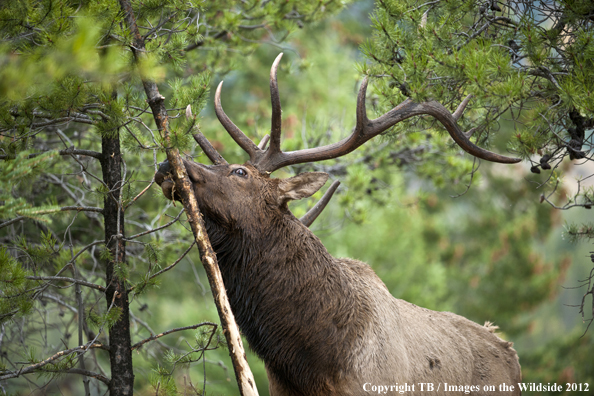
[325,325]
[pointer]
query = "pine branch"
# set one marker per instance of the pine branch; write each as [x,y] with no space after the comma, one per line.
[140,194]
[68,151]
[175,263]
[86,373]
[82,209]
[170,266]
[154,337]
[66,279]
[38,365]
[62,209]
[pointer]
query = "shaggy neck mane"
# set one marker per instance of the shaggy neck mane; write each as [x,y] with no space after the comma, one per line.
[288,295]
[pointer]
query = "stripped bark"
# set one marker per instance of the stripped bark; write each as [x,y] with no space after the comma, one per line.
[184,188]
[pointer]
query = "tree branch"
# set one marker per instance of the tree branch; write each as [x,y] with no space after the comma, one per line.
[154,337]
[86,373]
[68,151]
[156,229]
[62,209]
[245,378]
[66,279]
[33,367]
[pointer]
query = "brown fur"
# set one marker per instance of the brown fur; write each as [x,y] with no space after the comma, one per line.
[327,326]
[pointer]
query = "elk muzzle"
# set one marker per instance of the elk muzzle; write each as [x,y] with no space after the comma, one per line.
[164,179]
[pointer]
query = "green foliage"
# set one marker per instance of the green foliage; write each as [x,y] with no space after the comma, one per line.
[19,174]
[69,81]
[565,360]
[104,320]
[162,382]
[17,291]
[192,92]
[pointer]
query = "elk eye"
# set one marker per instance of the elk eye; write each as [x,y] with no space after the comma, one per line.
[240,172]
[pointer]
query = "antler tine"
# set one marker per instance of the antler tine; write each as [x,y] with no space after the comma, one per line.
[203,142]
[314,212]
[361,112]
[276,122]
[366,129]
[264,142]
[458,113]
[212,154]
[243,141]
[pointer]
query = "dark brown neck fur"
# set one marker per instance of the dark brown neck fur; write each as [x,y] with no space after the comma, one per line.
[289,296]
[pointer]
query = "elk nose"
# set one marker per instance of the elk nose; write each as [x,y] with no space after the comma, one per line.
[163,167]
[162,172]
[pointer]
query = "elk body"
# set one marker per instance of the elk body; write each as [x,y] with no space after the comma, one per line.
[323,325]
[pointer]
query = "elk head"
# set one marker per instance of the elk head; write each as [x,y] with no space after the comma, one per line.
[240,196]
[253,189]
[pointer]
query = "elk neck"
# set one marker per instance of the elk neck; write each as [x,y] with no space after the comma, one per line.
[289,296]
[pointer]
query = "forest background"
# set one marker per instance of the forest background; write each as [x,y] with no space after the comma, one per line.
[487,244]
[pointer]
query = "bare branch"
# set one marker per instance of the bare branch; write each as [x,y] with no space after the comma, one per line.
[154,337]
[156,101]
[156,229]
[67,151]
[86,373]
[12,221]
[66,279]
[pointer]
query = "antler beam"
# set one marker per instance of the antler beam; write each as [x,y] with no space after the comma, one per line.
[275,127]
[273,158]
[212,154]
[243,141]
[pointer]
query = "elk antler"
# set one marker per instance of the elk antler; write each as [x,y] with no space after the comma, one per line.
[212,153]
[315,211]
[365,129]
[203,142]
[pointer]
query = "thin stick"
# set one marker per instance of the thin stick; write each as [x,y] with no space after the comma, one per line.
[33,367]
[245,378]
[66,279]
[154,337]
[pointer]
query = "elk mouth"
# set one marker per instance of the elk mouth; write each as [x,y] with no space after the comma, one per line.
[163,173]
[164,177]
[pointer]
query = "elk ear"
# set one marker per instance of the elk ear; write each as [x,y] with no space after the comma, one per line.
[301,186]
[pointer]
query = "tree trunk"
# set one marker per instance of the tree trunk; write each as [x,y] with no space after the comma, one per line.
[122,374]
